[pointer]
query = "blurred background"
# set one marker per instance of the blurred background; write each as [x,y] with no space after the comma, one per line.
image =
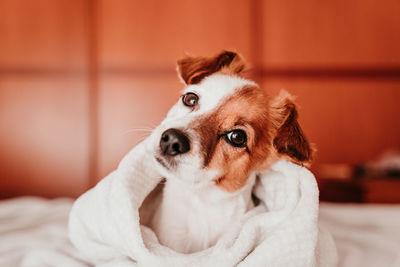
[77,76]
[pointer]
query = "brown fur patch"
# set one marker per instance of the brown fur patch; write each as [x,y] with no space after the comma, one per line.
[289,137]
[247,110]
[272,130]
[193,70]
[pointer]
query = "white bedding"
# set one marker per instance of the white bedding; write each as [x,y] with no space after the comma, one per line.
[365,235]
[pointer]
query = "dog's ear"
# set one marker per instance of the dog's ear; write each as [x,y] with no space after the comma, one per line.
[288,138]
[194,69]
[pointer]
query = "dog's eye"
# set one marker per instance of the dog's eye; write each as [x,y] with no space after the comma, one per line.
[190,99]
[236,138]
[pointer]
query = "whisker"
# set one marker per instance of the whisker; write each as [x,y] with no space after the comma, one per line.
[150,124]
[137,130]
[142,138]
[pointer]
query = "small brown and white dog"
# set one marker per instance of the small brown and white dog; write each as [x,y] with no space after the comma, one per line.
[210,148]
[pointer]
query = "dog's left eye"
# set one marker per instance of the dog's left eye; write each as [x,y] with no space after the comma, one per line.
[236,138]
[190,99]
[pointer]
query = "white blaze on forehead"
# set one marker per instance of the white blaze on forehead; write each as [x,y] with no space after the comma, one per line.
[211,91]
[216,87]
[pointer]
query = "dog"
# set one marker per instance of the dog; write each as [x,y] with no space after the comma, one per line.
[215,140]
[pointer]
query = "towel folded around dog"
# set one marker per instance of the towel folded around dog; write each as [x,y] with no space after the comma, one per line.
[282,230]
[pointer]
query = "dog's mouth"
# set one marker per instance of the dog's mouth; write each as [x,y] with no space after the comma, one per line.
[167,162]
[162,162]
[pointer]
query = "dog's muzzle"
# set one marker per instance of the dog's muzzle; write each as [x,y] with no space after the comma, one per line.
[174,142]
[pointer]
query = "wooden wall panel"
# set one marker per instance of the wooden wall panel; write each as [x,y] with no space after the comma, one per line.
[60,113]
[42,35]
[43,136]
[347,34]
[126,106]
[153,34]
[43,97]
[350,121]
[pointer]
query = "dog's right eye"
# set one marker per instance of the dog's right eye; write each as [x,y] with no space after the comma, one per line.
[190,99]
[236,138]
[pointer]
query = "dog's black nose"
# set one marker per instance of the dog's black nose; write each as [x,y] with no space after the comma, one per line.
[174,142]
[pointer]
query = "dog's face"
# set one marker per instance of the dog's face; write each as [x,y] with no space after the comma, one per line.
[225,127]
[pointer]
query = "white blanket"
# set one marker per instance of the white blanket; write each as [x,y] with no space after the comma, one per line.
[33,233]
[282,231]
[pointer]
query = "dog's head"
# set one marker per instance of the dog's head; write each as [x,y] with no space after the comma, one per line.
[225,127]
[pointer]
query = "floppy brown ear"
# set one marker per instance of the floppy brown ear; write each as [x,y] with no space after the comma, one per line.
[289,139]
[194,69]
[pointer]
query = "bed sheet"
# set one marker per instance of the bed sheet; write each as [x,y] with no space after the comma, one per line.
[365,235]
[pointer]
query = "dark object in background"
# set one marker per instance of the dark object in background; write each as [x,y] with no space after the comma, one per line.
[363,170]
[376,181]
[387,165]
[334,190]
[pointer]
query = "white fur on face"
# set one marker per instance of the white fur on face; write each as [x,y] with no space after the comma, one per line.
[211,92]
